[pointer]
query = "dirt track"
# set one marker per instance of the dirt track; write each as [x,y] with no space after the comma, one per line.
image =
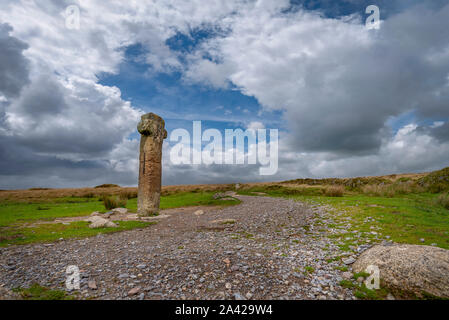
[265,254]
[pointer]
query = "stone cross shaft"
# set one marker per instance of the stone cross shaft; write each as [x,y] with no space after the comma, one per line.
[152,130]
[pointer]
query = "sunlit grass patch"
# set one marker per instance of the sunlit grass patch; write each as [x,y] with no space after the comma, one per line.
[19,213]
[15,218]
[53,232]
[409,218]
[37,292]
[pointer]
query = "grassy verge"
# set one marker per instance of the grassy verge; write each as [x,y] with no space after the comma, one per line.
[12,213]
[410,218]
[14,216]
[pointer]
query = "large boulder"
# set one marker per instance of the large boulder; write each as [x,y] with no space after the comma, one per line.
[99,222]
[410,268]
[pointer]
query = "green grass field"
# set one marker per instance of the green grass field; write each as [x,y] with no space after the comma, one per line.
[14,216]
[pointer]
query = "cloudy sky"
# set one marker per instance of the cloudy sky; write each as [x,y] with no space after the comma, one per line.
[348,101]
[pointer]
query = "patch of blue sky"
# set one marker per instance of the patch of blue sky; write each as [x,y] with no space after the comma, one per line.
[340,8]
[179,102]
[400,121]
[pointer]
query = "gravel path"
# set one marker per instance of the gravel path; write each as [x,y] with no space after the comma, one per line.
[273,250]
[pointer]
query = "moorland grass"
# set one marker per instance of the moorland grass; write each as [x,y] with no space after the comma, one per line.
[15,218]
[334,191]
[409,218]
[52,232]
[17,213]
[112,202]
[38,292]
[401,214]
[442,200]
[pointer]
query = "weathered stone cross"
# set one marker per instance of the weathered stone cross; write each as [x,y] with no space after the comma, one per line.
[152,130]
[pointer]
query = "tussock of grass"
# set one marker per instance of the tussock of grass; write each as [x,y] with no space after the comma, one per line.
[112,202]
[334,191]
[127,194]
[442,200]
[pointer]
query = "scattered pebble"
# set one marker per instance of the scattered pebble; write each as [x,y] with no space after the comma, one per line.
[133,291]
[92,285]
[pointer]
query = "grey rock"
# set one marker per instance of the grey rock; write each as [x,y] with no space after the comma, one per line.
[133,291]
[198,212]
[99,222]
[348,261]
[390,297]
[238,296]
[120,211]
[92,285]
[410,268]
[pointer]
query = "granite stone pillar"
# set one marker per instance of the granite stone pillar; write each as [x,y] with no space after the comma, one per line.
[152,130]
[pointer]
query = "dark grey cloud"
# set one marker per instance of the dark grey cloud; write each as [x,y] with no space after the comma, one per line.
[45,97]
[441,132]
[76,120]
[14,67]
[21,168]
[406,68]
